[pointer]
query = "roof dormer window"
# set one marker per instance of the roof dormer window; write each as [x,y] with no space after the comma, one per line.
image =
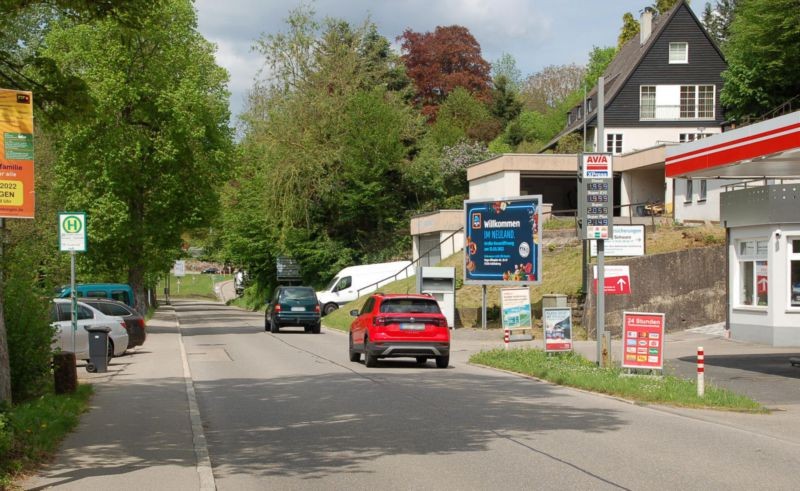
[678,53]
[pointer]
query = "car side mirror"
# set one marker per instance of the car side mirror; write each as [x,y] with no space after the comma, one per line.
[354,313]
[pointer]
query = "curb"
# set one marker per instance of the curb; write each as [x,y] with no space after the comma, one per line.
[204,469]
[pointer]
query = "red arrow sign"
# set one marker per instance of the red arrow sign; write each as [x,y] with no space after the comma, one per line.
[616,282]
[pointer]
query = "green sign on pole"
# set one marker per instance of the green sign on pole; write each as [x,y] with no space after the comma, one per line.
[72,231]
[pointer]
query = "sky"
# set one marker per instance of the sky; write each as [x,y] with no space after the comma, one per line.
[537,33]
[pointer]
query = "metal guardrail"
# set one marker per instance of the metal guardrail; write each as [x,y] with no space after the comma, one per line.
[654,210]
[753,183]
[413,264]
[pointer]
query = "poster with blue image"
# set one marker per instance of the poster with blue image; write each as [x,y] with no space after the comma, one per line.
[503,241]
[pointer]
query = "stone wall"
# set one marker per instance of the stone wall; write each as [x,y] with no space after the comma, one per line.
[687,286]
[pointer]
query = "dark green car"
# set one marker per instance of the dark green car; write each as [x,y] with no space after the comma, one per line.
[293,306]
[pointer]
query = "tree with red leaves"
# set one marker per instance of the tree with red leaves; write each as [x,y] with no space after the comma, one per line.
[442,60]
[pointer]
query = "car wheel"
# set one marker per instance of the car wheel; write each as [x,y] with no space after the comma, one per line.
[316,328]
[329,307]
[370,360]
[266,323]
[354,355]
[110,350]
[307,329]
[422,360]
[442,361]
[273,327]
[91,368]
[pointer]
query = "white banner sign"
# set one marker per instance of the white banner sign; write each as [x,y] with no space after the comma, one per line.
[180,268]
[628,240]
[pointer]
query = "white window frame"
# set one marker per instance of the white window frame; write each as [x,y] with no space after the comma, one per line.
[792,255]
[678,53]
[666,103]
[751,251]
[689,191]
[614,146]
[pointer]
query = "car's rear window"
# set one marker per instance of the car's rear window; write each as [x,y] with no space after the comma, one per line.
[298,294]
[112,309]
[410,306]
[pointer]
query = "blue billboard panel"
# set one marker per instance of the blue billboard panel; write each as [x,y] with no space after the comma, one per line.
[503,241]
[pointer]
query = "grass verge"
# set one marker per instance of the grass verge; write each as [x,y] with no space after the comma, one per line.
[31,431]
[573,370]
[193,285]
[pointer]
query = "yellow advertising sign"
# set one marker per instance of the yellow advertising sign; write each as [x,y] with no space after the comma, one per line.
[17,198]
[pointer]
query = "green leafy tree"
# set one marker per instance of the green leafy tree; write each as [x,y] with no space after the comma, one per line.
[147,164]
[462,116]
[629,29]
[506,104]
[599,59]
[717,20]
[326,142]
[506,66]
[763,54]
[23,24]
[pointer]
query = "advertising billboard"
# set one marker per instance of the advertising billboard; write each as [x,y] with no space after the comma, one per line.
[557,324]
[503,241]
[16,154]
[643,340]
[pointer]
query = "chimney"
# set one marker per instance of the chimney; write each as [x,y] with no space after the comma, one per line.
[646,24]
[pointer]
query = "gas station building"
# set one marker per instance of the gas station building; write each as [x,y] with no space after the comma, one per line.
[761,214]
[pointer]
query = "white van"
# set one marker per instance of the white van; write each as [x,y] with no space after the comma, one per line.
[355,281]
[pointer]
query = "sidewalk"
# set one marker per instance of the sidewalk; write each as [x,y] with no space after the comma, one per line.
[137,433]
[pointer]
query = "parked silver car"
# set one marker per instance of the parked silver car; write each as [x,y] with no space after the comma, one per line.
[87,316]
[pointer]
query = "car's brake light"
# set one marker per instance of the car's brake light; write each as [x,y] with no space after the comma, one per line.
[316,308]
[380,321]
[124,326]
[441,322]
[141,323]
[277,307]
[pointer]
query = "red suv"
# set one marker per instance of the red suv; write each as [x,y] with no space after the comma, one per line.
[400,325]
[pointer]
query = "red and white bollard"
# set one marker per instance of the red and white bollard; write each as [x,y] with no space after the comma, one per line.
[701,367]
[506,338]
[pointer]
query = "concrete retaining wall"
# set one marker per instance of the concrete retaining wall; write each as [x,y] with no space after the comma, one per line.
[688,286]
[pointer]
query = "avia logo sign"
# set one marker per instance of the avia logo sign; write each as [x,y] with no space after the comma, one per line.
[597,165]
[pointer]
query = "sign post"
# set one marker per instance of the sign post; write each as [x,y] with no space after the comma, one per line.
[596,219]
[72,238]
[180,272]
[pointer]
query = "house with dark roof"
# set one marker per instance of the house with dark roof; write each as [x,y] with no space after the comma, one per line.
[663,87]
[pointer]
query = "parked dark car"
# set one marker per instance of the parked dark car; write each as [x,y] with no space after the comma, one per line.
[134,322]
[394,325]
[211,270]
[293,306]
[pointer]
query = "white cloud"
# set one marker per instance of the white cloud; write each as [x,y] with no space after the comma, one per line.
[536,32]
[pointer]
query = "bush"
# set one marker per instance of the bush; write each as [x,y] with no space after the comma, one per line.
[27,318]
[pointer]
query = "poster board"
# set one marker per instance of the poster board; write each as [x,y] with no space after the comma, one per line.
[643,340]
[516,313]
[557,326]
[503,241]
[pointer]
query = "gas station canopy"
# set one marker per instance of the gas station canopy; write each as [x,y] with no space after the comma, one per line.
[767,149]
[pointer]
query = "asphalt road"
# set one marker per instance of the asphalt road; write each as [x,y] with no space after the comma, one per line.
[289,411]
